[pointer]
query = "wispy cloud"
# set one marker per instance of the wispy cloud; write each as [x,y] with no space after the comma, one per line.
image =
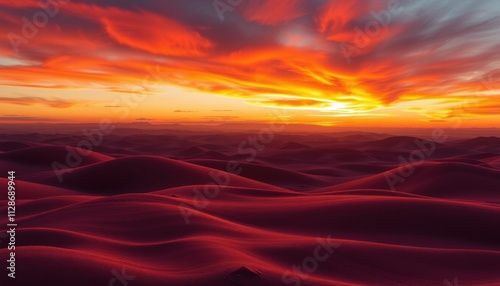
[31,100]
[25,118]
[183,111]
[428,50]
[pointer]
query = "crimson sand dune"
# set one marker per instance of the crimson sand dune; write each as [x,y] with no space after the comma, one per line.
[198,209]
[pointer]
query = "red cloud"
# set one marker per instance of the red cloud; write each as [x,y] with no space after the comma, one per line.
[112,47]
[272,12]
[155,34]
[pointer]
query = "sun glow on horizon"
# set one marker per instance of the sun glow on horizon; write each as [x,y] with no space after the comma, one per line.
[316,60]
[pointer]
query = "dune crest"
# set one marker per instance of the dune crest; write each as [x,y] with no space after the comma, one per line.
[315,210]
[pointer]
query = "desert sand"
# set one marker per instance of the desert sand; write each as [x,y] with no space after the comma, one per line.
[164,209]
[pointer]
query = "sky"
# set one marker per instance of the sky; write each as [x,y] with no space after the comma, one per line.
[385,63]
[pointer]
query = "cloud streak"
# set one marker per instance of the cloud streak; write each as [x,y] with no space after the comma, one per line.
[293,49]
[28,101]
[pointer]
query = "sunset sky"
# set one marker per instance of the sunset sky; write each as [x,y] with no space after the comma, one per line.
[392,63]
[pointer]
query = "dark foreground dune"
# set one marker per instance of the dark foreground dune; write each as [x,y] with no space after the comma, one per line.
[305,210]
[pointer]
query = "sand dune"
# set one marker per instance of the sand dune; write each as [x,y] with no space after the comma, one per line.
[324,155]
[396,142]
[292,146]
[140,174]
[484,144]
[46,155]
[267,242]
[479,142]
[435,179]
[123,210]
[271,175]
[13,145]
[192,151]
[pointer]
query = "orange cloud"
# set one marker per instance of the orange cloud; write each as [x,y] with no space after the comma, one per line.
[27,101]
[294,103]
[156,34]
[118,47]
